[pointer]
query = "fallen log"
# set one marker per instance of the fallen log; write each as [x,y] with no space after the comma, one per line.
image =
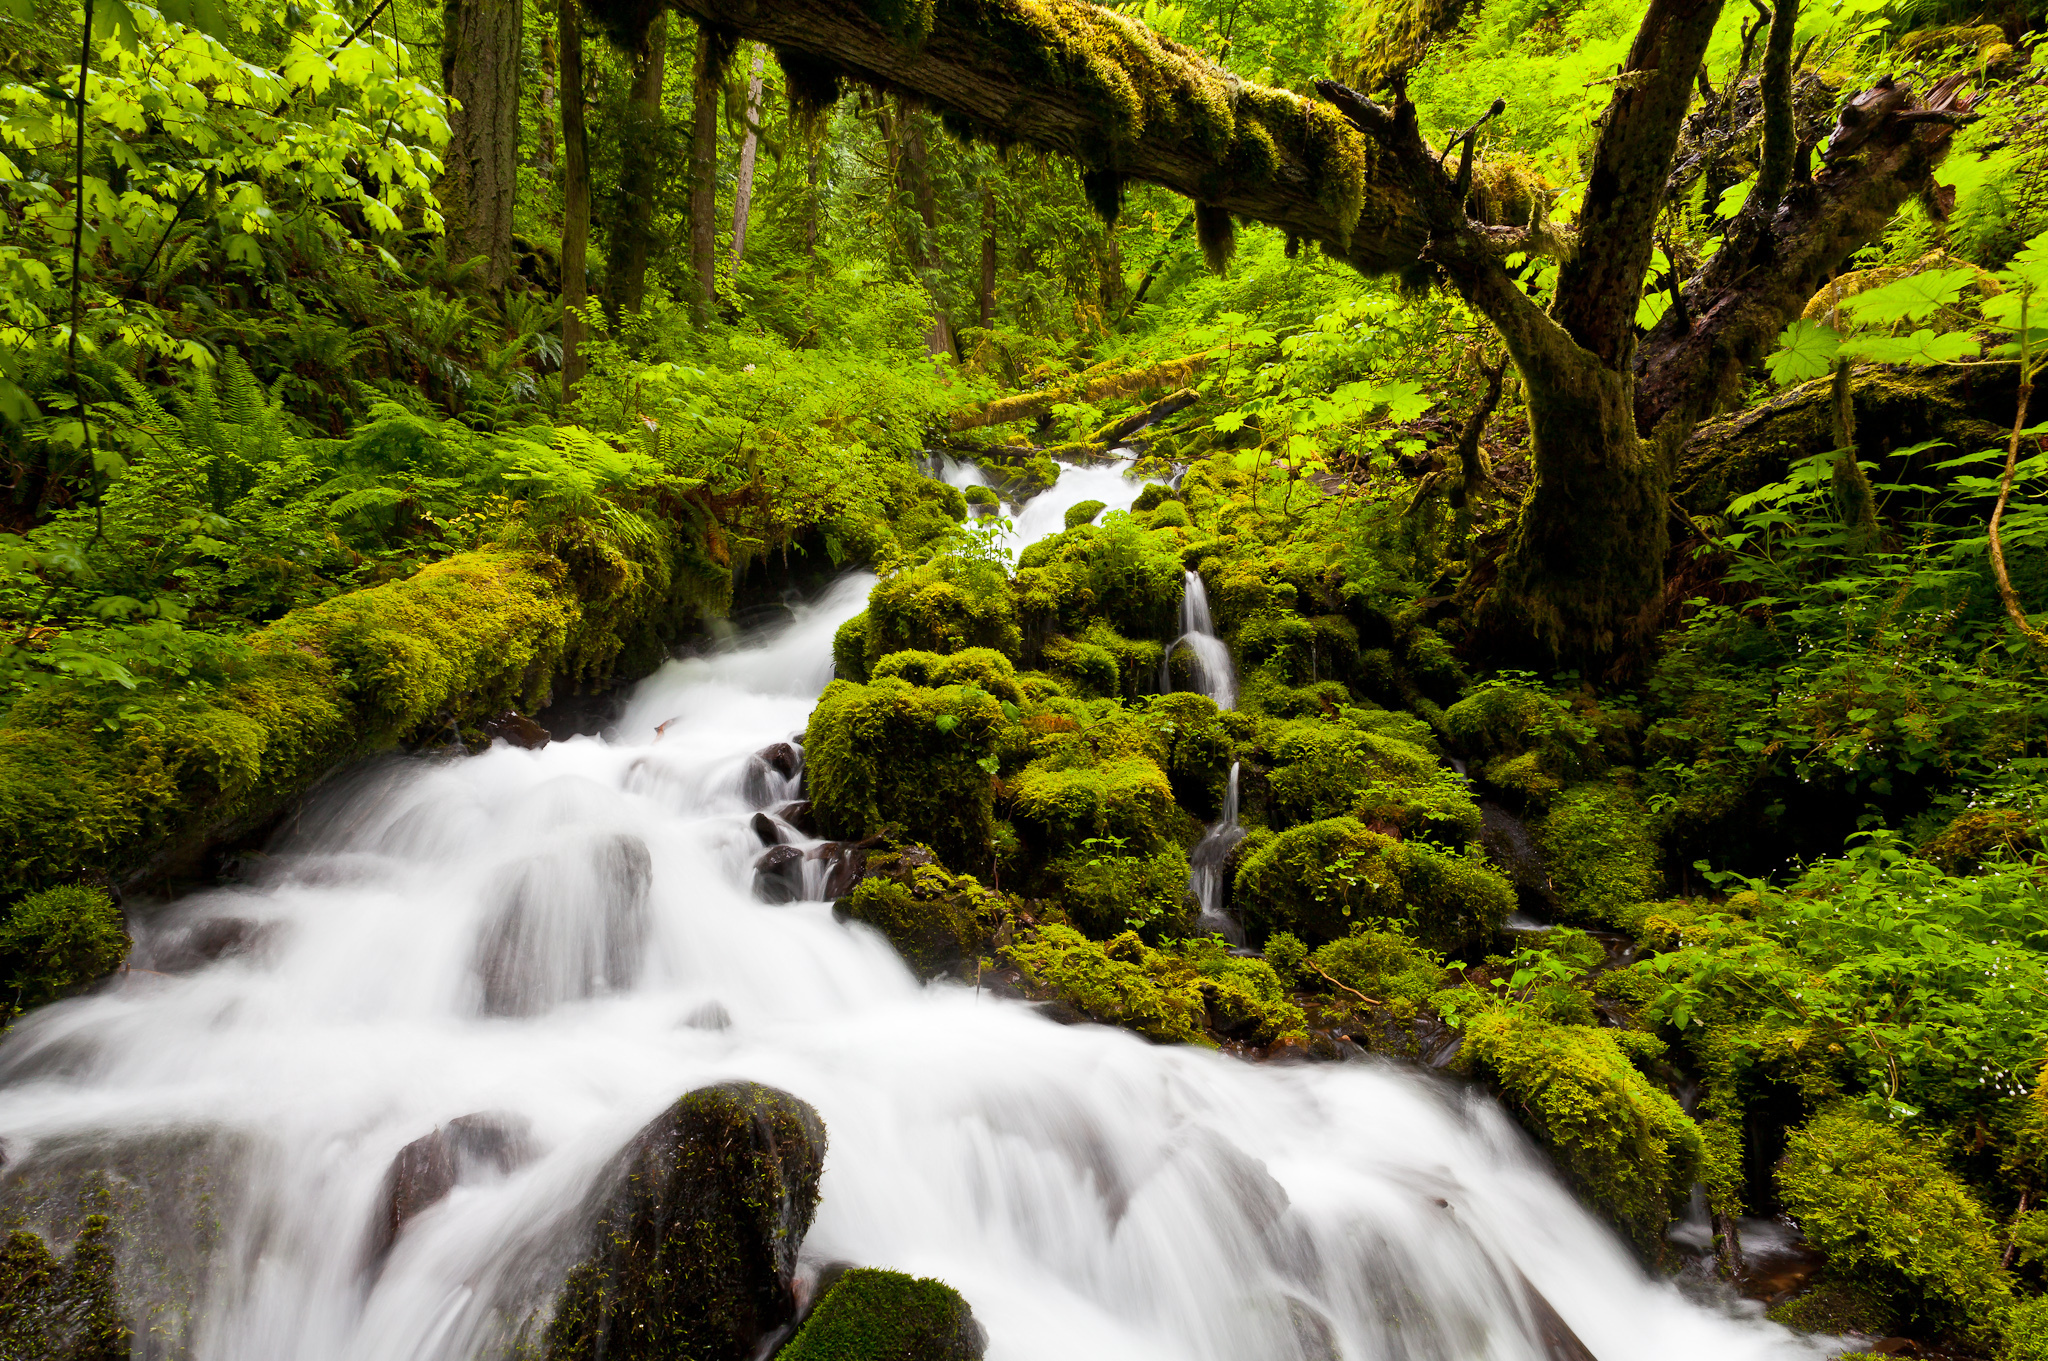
[1030,406]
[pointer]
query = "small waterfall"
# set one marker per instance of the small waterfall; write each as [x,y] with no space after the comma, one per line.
[1209,663]
[1205,880]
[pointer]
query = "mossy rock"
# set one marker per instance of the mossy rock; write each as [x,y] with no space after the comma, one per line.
[981,666]
[1167,515]
[1151,496]
[1058,806]
[1084,513]
[58,941]
[1969,839]
[1387,966]
[1110,983]
[1117,572]
[850,650]
[948,604]
[1894,1220]
[1601,851]
[1262,693]
[54,1310]
[1528,744]
[1621,1141]
[1106,894]
[921,760]
[1199,750]
[1323,770]
[1321,879]
[695,1230]
[979,495]
[936,920]
[869,1315]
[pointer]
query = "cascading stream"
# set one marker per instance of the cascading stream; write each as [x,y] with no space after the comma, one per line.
[1208,658]
[1206,864]
[565,940]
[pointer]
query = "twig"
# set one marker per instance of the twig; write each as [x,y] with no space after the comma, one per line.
[1369,1001]
[2006,592]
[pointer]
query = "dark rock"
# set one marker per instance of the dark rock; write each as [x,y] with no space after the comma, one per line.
[431,1166]
[845,862]
[1560,1343]
[767,829]
[783,758]
[516,728]
[797,814]
[1062,1013]
[207,941]
[868,1313]
[543,945]
[694,1232]
[779,875]
[769,773]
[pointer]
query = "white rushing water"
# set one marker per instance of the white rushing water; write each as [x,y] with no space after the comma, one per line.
[567,937]
[1046,513]
[1209,664]
[1206,864]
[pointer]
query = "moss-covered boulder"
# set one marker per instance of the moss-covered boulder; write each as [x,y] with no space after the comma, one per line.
[982,666]
[944,605]
[695,1229]
[1384,967]
[1526,743]
[935,919]
[869,1315]
[1065,800]
[1117,572]
[892,754]
[1106,893]
[1895,1221]
[1621,1141]
[1196,993]
[1600,848]
[1198,748]
[1321,879]
[62,1308]
[57,941]
[1320,770]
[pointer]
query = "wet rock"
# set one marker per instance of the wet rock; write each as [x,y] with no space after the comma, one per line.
[845,862]
[204,942]
[62,1310]
[783,758]
[797,813]
[517,729]
[1508,843]
[779,875]
[544,944]
[888,1314]
[770,772]
[767,829]
[694,1232]
[1560,1343]
[710,1016]
[467,1148]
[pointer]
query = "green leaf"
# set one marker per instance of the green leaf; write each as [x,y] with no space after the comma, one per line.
[1913,298]
[945,722]
[1806,349]
[1921,347]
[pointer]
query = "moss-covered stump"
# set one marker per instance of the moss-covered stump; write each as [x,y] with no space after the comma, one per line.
[54,1310]
[695,1234]
[870,1315]
[55,942]
[1320,880]
[893,754]
[936,920]
[1600,848]
[1622,1143]
[1897,1225]
[109,782]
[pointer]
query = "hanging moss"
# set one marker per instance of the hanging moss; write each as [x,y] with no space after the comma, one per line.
[1624,1144]
[890,754]
[1893,1220]
[870,1315]
[850,650]
[57,941]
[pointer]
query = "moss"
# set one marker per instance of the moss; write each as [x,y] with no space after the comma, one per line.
[870,1315]
[936,920]
[1106,893]
[1263,693]
[1323,770]
[1892,1219]
[944,605]
[696,1229]
[1246,999]
[1084,513]
[57,941]
[1385,966]
[1834,1309]
[1117,573]
[1167,515]
[1601,852]
[1114,988]
[1983,834]
[2026,1332]
[1198,750]
[978,495]
[1323,878]
[1060,805]
[850,649]
[977,666]
[1625,1145]
[1524,742]
[892,754]
[53,1313]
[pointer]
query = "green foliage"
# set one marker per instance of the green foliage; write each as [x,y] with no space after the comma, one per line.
[870,1315]
[1321,879]
[1107,892]
[57,941]
[1600,848]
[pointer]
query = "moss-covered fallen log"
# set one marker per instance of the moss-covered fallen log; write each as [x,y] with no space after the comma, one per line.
[108,783]
[1030,406]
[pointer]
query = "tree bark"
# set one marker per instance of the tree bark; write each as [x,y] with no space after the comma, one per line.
[1583,575]
[910,159]
[985,297]
[750,147]
[705,78]
[575,192]
[632,240]
[480,71]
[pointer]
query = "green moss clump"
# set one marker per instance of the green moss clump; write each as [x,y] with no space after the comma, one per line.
[1983,834]
[1834,1309]
[1106,894]
[1117,573]
[850,650]
[979,495]
[51,1313]
[981,666]
[1893,1219]
[870,1315]
[936,920]
[944,605]
[890,754]
[1061,802]
[1601,851]
[1198,748]
[1084,513]
[1387,967]
[1623,1143]
[1168,515]
[1111,984]
[1151,496]
[1525,742]
[1321,879]
[1324,770]
[57,941]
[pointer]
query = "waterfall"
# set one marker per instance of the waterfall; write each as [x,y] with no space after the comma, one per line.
[558,942]
[1209,663]
[1109,483]
[1206,865]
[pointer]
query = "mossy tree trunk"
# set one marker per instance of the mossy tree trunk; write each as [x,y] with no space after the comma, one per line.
[575,191]
[632,238]
[480,68]
[706,77]
[750,150]
[1583,574]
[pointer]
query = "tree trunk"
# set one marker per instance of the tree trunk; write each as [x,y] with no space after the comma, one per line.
[550,77]
[705,78]
[911,159]
[750,147]
[985,300]
[632,231]
[575,193]
[480,70]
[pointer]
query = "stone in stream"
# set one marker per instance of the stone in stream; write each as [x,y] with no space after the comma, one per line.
[779,875]
[431,1166]
[517,729]
[542,944]
[777,758]
[694,1231]
[202,943]
[867,1313]
[766,828]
